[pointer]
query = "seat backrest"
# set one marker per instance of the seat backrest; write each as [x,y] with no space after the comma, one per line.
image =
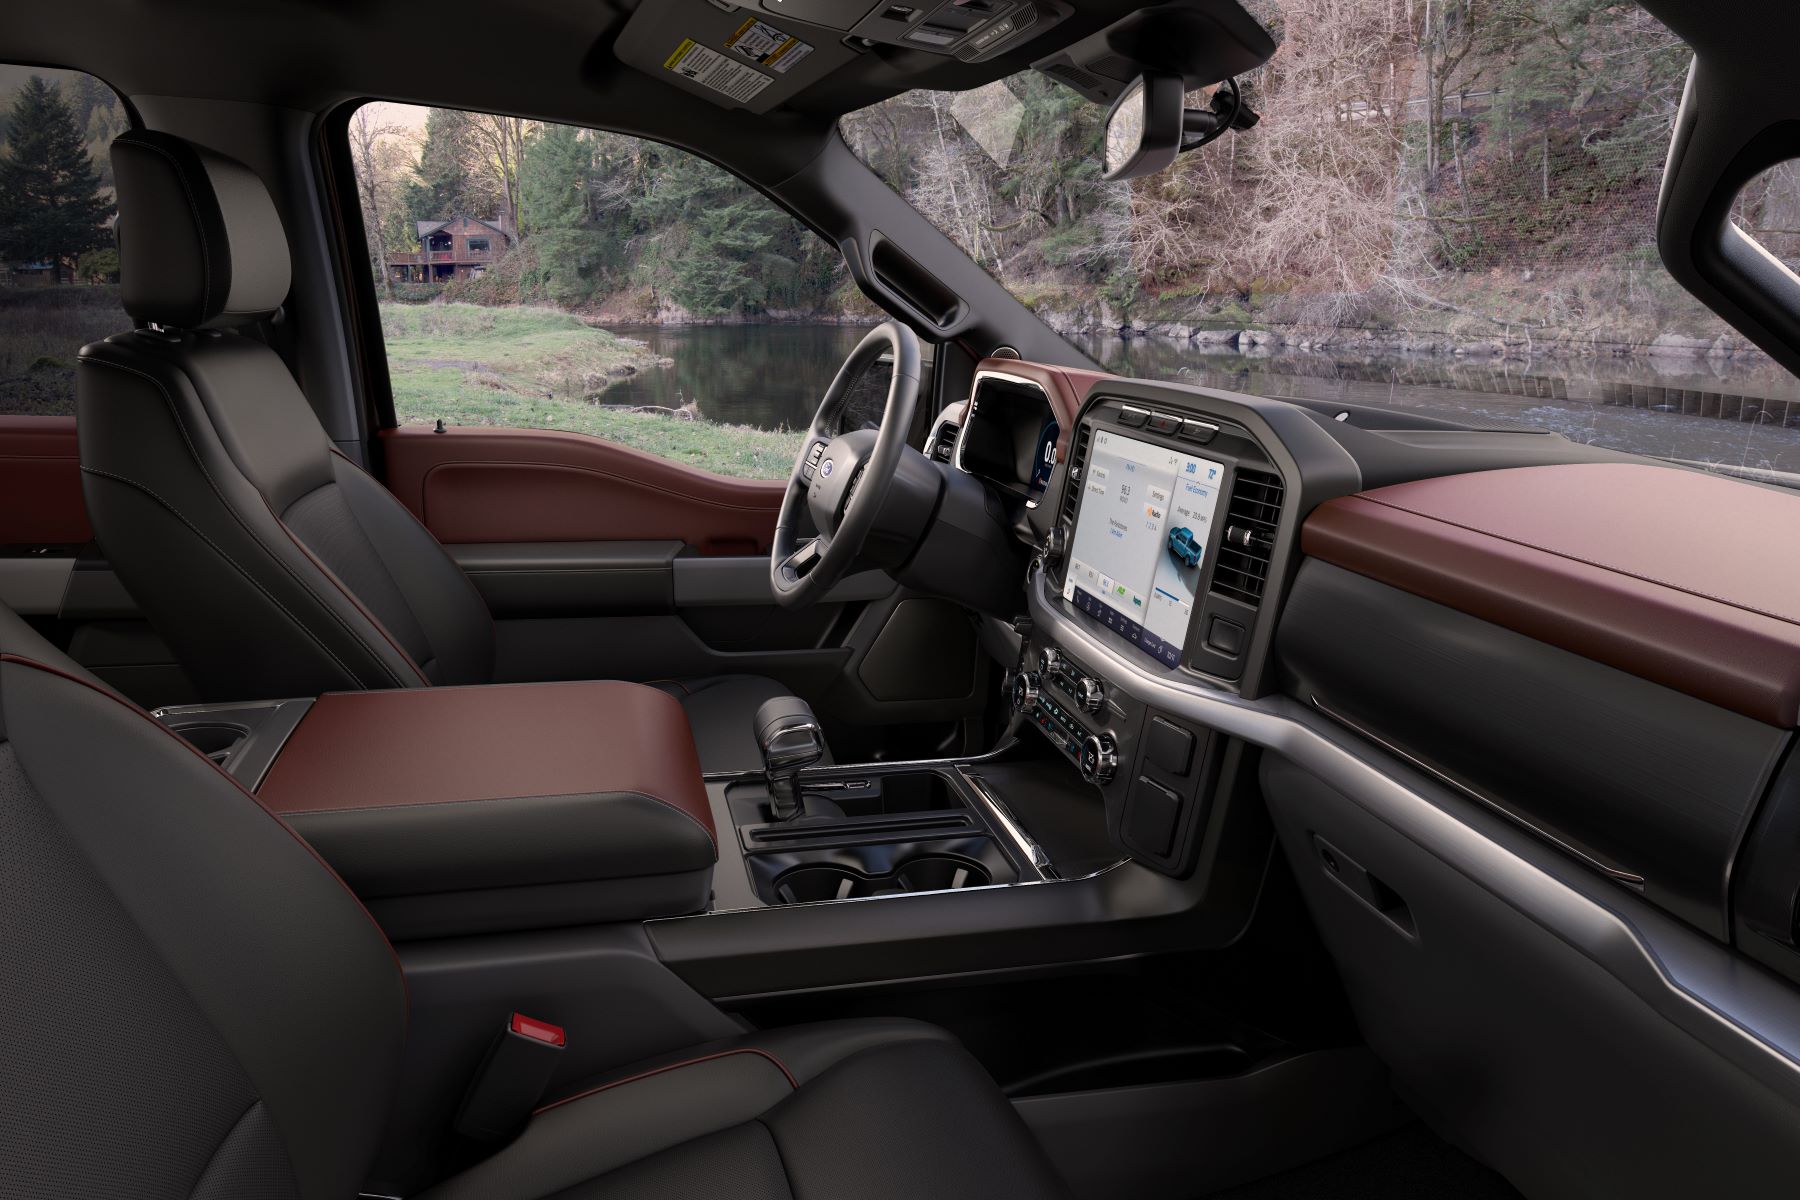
[194,1005]
[271,564]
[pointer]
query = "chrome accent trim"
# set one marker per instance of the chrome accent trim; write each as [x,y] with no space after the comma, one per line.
[1015,833]
[1695,983]
[1629,878]
[962,430]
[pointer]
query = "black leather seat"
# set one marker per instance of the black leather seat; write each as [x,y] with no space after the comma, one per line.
[271,563]
[197,1007]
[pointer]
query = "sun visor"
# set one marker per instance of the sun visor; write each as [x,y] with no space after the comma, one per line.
[758,56]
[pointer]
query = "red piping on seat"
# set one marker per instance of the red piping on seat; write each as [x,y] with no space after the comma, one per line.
[46,668]
[779,1066]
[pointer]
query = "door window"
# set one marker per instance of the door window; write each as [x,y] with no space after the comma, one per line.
[59,267]
[547,276]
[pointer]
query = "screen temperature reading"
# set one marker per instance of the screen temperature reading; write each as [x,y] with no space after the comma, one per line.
[1140,539]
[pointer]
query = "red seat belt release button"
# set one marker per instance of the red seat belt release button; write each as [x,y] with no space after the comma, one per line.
[511,1080]
[541,1031]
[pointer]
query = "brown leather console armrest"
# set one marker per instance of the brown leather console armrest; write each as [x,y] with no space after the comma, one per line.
[478,809]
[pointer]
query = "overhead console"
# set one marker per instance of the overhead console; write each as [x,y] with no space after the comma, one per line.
[760,54]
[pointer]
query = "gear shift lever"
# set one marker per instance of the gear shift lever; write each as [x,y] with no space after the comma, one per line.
[788,735]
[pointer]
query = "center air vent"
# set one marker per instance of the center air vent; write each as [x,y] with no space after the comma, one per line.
[1072,477]
[943,442]
[1247,547]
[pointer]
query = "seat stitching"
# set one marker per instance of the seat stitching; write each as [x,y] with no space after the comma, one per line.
[779,1065]
[199,225]
[217,549]
[343,591]
[480,600]
[7,656]
[194,453]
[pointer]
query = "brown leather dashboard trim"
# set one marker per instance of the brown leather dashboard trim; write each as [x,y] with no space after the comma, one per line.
[446,745]
[1675,576]
[472,484]
[40,483]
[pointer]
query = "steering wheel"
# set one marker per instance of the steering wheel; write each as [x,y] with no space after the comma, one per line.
[842,478]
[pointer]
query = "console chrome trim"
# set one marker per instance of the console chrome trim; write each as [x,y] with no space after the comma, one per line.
[1695,983]
[1015,833]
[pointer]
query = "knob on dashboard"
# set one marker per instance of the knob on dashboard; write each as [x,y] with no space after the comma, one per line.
[1099,758]
[1024,690]
[1089,693]
[1049,659]
[1056,544]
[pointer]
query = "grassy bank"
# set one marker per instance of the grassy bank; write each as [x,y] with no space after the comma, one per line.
[538,368]
[41,328]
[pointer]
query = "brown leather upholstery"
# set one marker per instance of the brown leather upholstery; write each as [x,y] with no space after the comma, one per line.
[1662,572]
[40,482]
[517,806]
[537,485]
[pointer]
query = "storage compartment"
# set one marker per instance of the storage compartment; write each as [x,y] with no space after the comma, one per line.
[881,869]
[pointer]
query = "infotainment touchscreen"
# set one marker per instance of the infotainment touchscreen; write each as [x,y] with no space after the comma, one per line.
[1140,535]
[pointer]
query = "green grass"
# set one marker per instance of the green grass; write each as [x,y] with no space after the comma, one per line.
[539,368]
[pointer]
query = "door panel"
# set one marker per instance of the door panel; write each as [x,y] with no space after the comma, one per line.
[602,562]
[470,484]
[40,483]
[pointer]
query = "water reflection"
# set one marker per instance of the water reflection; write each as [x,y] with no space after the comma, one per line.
[1716,411]
[1738,414]
[769,376]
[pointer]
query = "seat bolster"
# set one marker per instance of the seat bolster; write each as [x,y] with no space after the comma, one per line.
[614,1124]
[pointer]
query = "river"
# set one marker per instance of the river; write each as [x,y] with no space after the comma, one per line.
[1739,414]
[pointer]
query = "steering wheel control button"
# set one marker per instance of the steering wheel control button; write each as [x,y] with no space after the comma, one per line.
[1168,747]
[1163,423]
[1099,758]
[1134,417]
[1227,637]
[812,459]
[1198,431]
[1089,693]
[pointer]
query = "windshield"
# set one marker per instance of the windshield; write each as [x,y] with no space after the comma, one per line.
[1447,208]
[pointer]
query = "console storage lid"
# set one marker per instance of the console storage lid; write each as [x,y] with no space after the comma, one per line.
[462,810]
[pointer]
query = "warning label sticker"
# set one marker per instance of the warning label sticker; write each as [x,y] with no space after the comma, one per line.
[762,43]
[710,69]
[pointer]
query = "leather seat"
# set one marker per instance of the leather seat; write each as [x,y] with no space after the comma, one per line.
[271,563]
[197,1007]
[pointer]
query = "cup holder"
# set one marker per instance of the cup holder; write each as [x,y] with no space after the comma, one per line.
[216,740]
[925,873]
[941,872]
[804,885]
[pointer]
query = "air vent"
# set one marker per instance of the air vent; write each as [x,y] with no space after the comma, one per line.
[943,442]
[1072,480]
[1248,546]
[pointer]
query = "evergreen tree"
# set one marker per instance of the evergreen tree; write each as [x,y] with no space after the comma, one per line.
[50,209]
[445,185]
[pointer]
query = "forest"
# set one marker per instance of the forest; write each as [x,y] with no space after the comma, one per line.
[1426,173]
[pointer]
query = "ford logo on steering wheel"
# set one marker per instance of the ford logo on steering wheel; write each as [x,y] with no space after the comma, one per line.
[825,468]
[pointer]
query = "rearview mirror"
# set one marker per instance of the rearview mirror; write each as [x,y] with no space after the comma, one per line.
[1149,124]
[1143,129]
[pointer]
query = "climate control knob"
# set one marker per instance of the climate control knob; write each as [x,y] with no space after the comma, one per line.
[1099,758]
[1089,693]
[1049,659]
[1024,690]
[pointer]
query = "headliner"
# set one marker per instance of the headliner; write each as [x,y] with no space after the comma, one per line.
[546,59]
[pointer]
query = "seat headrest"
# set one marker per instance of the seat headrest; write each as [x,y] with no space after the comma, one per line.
[200,242]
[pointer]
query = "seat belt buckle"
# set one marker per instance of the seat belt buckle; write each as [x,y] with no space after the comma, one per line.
[511,1079]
